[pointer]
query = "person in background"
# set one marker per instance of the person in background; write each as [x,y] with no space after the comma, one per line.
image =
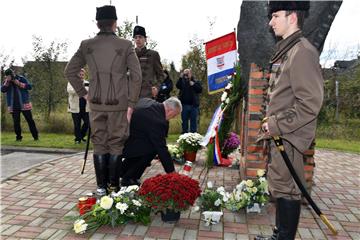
[189,91]
[165,88]
[79,110]
[113,92]
[17,89]
[151,68]
[148,131]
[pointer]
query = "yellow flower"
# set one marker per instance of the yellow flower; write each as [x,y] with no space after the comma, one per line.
[249,183]
[260,172]
[106,202]
[80,226]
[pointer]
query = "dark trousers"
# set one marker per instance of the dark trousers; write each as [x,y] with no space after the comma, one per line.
[133,168]
[189,113]
[80,130]
[17,126]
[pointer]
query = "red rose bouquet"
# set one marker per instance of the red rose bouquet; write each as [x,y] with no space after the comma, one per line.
[170,191]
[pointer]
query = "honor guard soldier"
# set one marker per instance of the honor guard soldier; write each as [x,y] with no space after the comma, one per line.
[152,71]
[295,97]
[112,94]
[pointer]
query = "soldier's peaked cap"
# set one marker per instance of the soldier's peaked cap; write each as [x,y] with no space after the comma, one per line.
[106,12]
[275,6]
[139,30]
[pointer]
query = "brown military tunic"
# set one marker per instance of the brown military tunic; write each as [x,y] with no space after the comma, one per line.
[295,98]
[152,71]
[111,90]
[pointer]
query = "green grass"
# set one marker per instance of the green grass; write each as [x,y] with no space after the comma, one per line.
[47,140]
[338,144]
[52,140]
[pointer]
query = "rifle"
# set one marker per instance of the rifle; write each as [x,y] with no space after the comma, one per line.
[86,150]
[280,146]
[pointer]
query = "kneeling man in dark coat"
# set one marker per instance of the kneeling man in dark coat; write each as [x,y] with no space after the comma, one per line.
[148,131]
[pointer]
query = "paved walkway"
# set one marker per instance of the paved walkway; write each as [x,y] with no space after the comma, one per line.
[34,203]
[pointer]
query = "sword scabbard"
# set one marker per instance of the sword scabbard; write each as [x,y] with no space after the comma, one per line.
[328,224]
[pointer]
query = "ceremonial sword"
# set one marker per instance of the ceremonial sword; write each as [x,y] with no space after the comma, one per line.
[280,146]
[86,150]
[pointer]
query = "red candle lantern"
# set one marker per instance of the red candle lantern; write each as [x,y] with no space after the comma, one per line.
[82,205]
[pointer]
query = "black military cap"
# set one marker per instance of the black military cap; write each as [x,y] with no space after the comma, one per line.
[106,13]
[275,6]
[139,30]
[9,72]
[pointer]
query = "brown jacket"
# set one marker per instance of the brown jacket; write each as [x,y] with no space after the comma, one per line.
[296,95]
[109,59]
[152,71]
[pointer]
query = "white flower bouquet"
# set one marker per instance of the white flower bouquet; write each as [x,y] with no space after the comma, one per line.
[211,202]
[190,142]
[248,193]
[116,209]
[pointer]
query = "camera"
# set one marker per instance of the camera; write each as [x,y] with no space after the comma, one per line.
[186,75]
[86,84]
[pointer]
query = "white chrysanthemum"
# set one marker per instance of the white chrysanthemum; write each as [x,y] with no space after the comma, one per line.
[237,196]
[227,100]
[260,172]
[217,202]
[132,188]
[106,202]
[80,226]
[136,202]
[221,190]
[226,197]
[249,183]
[241,185]
[122,207]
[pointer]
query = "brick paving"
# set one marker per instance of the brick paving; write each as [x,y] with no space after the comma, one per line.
[34,203]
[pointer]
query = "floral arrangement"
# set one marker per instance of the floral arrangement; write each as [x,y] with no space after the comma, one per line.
[249,192]
[170,191]
[190,142]
[231,143]
[116,209]
[211,202]
[175,151]
[211,199]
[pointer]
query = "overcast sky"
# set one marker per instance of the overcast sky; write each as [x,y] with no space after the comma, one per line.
[170,23]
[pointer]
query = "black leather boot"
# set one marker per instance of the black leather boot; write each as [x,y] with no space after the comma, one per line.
[101,171]
[114,171]
[289,214]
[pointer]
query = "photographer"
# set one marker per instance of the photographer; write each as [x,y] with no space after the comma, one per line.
[79,110]
[189,90]
[18,101]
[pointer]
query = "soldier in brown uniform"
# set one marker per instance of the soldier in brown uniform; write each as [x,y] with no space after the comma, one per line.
[112,94]
[152,71]
[295,97]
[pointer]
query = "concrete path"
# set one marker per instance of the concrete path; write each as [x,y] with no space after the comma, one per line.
[15,160]
[34,203]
